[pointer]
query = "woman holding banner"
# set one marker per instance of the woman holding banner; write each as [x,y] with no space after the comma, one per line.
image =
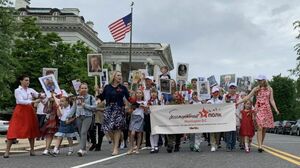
[264,100]
[114,113]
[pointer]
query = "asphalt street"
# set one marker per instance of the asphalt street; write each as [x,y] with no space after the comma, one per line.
[281,151]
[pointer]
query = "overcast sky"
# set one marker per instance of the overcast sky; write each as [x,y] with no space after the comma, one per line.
[215,37]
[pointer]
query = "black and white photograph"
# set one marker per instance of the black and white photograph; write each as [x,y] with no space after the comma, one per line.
[204,89]
[49,85]
[212,81]
[165,86]
[182,71]
[104,77]
[248,82]
[76,84]
[49,71]
[225,80]
[94,64]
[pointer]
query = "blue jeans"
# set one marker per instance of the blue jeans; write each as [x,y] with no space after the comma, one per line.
[230,138]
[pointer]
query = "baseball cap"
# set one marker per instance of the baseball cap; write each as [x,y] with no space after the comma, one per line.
[232,84]
[215,89]
[149,77]
[261,77]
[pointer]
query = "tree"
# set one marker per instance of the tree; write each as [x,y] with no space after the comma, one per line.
[33,51]
[296,71]
[7,63]
[36,51]
[285,97]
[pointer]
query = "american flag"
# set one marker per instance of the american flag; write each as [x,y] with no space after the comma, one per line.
[120,27]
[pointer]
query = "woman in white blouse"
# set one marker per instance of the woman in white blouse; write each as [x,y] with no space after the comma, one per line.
[24,123]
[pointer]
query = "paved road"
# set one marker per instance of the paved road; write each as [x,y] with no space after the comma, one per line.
[290,145]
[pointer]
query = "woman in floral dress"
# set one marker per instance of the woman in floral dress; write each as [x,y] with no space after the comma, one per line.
[264,100]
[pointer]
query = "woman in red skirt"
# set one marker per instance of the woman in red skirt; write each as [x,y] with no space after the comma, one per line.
[24,123]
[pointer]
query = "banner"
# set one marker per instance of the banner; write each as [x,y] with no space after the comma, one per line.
[192,118]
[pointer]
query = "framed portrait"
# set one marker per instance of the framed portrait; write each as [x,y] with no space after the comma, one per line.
[49,71]
[201,78]
[248,82]
[165,86]
[76,84]
[182,71]
[241,84]
[104,77]
[212,81]
[94,64]
[203,89]
[49,85]
[225,80]
[136,76]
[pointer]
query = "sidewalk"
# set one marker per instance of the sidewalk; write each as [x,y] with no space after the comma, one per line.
[23,145]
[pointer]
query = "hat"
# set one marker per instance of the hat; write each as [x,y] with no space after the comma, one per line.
[215,89]
[261,77]
[149,77]
[232,84]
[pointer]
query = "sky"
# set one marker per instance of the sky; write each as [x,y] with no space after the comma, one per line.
[215,37]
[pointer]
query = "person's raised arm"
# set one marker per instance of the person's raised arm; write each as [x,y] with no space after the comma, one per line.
[251,94]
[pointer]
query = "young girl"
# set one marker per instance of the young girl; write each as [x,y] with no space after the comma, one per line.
[154,138]
[247,125]
[195,139]
[66,128]
[137,121]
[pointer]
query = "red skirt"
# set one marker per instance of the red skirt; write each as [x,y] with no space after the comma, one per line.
[23,124]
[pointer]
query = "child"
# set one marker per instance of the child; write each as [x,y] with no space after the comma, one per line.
[154,138]
[215,137]
[195,139]
[66,128]
[137,121]
[177,99]
[247,125]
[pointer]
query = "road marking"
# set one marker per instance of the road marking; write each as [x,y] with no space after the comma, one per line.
[284,153]
[280,156]
[101,160]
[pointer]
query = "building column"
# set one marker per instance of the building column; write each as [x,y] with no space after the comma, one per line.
[118,67]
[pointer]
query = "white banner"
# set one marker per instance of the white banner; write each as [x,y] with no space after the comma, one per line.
[192,118]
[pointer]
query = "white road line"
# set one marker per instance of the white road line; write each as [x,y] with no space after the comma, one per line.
[101,160]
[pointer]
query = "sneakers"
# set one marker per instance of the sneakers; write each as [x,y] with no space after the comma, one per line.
[81,153]
[70,153]
[154,150]
[213,149]
[45,152]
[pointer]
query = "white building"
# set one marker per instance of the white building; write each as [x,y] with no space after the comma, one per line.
[71,27]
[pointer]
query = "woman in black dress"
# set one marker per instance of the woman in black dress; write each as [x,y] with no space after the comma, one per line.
[114,114]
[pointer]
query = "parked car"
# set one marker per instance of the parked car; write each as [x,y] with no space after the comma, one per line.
[277,124]
[295,129]
[3,126]
[285,128]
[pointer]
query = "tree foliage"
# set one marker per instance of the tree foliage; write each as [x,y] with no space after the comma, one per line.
[34,50]
[285,96]
[8,63]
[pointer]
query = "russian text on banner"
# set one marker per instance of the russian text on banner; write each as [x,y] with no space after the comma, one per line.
[193,118]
